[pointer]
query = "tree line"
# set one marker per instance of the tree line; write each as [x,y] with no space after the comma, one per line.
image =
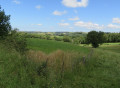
[112,37]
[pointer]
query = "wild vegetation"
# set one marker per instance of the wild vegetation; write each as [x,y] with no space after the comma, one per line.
[33,60]
[62,68]
[75,38]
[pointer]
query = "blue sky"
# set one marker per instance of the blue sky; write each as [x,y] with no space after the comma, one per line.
[63,15]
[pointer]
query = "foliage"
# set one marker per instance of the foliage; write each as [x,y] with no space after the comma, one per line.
[112,37]
[49,37]
[17,41]
[79,40]
[95,38]
[66,39]
[76,41]
[74,37]
[5,26]
[58,38]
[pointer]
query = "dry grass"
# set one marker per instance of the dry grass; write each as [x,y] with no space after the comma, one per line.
[58,59]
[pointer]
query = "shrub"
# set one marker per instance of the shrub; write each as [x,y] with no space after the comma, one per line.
[49,37]
[17,41]
[66,39]
[58,38]
[76,41]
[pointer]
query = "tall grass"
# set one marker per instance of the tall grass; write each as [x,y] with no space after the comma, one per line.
[101,70]
[56,59]
[59,69]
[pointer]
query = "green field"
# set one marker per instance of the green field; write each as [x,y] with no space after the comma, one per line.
[113,47]
[49,46]
[110,47]
[100,70]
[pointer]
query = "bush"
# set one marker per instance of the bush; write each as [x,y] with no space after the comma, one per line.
[42,37]
[79,40]
[49,37]
[17,41]
[76,41]
[66,39]
[58,38]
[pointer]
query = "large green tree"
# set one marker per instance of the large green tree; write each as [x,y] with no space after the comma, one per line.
[95,38]
[5,26]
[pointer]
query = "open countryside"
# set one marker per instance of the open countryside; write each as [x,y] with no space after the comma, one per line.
[68,54]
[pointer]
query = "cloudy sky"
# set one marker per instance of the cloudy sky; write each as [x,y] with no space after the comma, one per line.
[63,15]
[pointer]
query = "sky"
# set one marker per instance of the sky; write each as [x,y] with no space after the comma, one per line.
[63,15]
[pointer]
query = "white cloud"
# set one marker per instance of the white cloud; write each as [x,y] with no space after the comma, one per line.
[89,25]
[62,20]
[116,20]
[16,1]
[75,3]
[38,7]
[37,24]
[59,13]
[71,27]
[112,26]
[73,19]
[75,11]
[63,24]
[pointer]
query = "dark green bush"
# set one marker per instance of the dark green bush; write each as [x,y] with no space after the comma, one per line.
[17,41]
[58,38]
[66,39]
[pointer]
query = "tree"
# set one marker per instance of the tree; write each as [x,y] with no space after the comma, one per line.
[5,26]
[95,38]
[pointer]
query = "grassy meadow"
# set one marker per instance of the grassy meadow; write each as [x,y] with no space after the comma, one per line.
[100,70]
[53,64]
[113,47]
[49,46]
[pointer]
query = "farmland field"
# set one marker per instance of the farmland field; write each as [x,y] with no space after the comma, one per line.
[49,46]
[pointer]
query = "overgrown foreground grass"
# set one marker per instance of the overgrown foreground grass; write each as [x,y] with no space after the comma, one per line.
[59,69]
